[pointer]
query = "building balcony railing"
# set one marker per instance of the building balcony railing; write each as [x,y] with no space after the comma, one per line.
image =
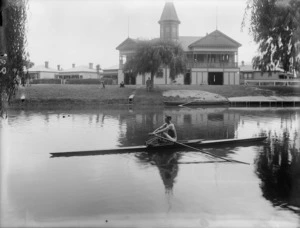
[212,65]
[204,65]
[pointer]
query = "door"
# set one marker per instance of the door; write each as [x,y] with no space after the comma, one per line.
[187,78]
[129,79]
[215,78]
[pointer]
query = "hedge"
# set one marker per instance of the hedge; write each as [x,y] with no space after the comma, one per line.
[46,81]
[83,81]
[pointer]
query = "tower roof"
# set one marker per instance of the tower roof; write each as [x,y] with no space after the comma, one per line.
[169,13]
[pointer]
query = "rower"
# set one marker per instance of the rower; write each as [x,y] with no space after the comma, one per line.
[167,130]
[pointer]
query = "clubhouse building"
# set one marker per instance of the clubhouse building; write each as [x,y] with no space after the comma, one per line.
[211,60]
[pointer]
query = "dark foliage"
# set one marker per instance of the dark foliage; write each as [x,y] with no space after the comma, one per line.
[150,56]
[275,27]
[14,22]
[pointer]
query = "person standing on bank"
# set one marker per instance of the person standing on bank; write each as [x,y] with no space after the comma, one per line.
[167,130]
[148,84]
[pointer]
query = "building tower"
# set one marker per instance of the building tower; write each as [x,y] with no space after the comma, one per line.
[169,23]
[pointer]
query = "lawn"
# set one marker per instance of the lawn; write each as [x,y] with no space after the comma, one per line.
[49,95]
[76,92]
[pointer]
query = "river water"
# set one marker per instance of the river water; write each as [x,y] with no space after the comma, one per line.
[178,189]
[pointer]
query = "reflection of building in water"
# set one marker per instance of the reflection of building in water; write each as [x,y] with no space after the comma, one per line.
[138,125]
[210,123]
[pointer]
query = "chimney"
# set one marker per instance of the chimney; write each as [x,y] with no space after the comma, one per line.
[73,65]
[98,69]
[91,65]
[47,64]
[243,63]
[58,67]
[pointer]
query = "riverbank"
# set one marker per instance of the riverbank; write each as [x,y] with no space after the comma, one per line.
[78,96]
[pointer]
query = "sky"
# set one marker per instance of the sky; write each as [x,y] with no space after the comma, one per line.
[64,32]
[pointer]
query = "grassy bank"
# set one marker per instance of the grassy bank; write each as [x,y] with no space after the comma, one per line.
[93,95]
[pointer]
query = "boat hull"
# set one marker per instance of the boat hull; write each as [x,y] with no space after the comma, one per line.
[197,143]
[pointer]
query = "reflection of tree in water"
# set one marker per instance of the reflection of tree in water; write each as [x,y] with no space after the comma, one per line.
[167,164]
[278,166]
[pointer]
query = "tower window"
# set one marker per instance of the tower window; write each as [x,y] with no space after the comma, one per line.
[174,33]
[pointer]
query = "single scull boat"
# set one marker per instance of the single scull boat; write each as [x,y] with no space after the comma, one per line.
[197,143]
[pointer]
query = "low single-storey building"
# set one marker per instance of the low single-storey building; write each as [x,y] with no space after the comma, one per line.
[249,74]
[110,75]
[42,72]
[80,72]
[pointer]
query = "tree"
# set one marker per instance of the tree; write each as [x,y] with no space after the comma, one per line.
[150,56]
[14,15]
[275,27]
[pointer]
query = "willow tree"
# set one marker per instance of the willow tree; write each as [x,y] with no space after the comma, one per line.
[150,56]
[13,63]
[275,27]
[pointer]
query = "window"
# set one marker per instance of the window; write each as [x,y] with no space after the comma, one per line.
[160,73]
[247,76]
[174,31]
[281,76]
[270,73]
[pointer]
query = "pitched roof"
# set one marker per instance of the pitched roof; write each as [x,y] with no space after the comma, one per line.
[185,41]
[216,39]
[130,44]
[169,13]
[42,68]
[114,67]
[246,68]
[188,42]
[127,44]
[79,69]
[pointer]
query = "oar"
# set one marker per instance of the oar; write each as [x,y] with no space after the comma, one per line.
[185,103]
[193,148]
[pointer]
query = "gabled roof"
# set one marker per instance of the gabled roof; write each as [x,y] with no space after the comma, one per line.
[79,69]
[188,42]
[216,39]
[127,44]
[169,13]
[41,68]
[185,41]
